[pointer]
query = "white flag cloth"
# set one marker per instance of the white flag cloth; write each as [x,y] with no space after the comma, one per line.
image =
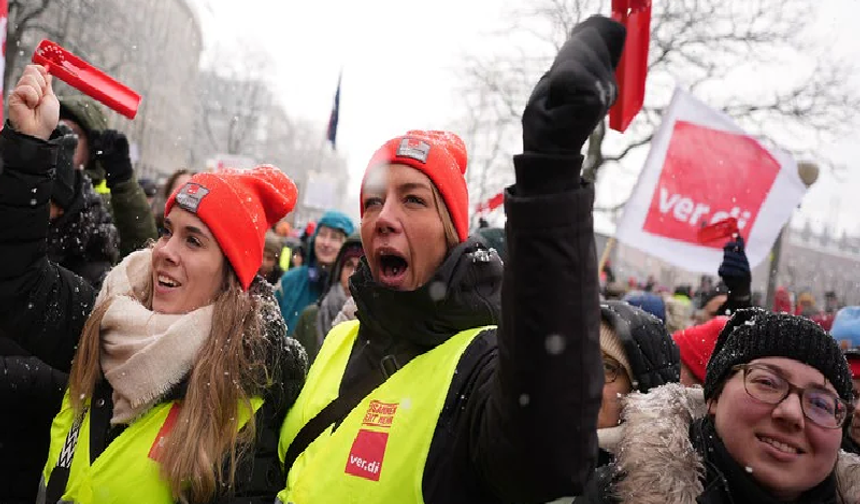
[702,168]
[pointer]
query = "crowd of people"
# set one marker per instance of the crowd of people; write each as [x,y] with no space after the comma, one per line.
[181,343]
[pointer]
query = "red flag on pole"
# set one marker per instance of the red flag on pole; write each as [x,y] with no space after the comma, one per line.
[632,70]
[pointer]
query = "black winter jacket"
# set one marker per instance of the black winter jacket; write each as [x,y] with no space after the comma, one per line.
[84,240]
[31,393]
[519,422]
[46,306]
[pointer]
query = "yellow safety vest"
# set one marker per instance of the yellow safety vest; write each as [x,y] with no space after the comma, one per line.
[378,452]
[286,256]
[127,470]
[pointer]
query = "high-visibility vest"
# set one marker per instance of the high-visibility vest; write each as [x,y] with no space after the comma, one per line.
[377,454]
[286,256]
[127,470]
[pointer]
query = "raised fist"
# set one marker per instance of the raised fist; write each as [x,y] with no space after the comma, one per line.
[33,108]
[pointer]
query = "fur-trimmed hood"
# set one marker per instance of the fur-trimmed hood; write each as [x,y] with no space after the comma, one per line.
[659,462]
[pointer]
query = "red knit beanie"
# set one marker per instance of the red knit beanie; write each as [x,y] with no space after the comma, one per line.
[442,157]
[696,344]
[238,207]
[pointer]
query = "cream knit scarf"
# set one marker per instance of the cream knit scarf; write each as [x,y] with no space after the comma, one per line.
[143,353]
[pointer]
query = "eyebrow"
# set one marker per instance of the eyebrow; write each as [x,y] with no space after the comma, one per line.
[785,374]
[191,229]
[411,186]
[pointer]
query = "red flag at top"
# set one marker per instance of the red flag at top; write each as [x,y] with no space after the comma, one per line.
[632,70]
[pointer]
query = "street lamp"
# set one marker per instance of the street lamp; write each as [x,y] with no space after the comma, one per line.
[808,173]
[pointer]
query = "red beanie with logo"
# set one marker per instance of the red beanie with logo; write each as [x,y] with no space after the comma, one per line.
[696,344]
[441,156]
[238,207]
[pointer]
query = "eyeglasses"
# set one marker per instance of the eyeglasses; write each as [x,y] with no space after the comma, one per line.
[823,407]
[611,369]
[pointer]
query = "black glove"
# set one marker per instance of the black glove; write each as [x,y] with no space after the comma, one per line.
[111,148]
[63,192]
[576,93]
[735,269]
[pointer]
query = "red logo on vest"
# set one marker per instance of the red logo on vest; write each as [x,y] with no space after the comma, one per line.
[161,438]
[368,448]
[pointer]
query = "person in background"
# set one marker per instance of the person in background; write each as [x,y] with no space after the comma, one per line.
[852,435]
[103,154]
[679,309]
[270,269]
[649,301]
[766,428]
[846,327]
[316,320]
[696,345]
[150,189]
[782,301]
[638,355]
[302,286]
[806,305]
[81,234]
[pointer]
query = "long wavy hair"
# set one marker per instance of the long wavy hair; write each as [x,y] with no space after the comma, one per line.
[235,364]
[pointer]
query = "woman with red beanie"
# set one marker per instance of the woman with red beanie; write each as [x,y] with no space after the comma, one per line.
[180,372]
[463,379]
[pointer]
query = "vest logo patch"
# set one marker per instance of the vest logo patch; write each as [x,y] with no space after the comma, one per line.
[161,438]
[368,448]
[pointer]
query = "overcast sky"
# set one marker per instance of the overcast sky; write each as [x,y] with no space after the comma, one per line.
[399,58]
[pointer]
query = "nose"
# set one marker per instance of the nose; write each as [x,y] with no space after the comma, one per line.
[388,219]
[167,250]
[790,412]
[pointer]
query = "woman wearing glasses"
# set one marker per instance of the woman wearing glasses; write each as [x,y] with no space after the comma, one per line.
[766,428]
[638,355]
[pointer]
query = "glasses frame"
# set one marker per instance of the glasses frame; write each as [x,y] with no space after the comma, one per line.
[792,388]
[617,369]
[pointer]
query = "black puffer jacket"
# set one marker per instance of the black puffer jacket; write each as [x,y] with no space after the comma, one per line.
[31,393]
[84,240]
[653,356]
[43,307]
[520,416]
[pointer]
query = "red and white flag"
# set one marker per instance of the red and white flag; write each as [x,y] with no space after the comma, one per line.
[702,169]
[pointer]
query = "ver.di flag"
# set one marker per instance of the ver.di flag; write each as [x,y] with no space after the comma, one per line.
[702,168]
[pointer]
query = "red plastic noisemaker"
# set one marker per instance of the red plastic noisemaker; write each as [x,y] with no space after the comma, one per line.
[86,78]
[632,70]
[721,230]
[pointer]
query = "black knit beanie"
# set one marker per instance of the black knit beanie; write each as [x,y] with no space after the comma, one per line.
[755,333]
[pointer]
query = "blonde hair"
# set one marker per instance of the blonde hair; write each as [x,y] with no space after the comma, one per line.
[205,446]
[452,239]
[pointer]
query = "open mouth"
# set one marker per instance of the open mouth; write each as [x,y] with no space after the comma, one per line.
[392,269]
[167,282]
[780,446]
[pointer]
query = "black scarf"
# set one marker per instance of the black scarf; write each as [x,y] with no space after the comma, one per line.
[739,484]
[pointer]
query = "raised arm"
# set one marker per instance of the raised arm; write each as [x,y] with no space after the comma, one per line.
[537,430]
[42,306]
